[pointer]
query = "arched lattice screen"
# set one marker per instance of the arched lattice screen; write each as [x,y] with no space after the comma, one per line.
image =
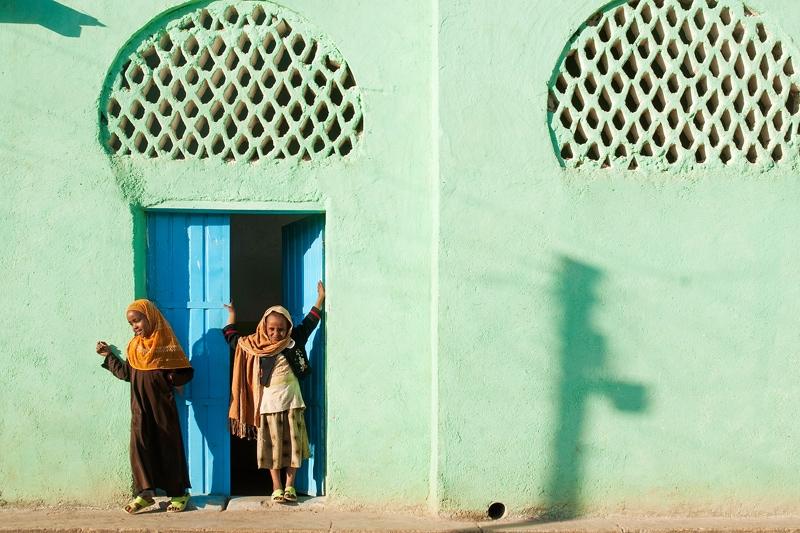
[242,81]
[674,82]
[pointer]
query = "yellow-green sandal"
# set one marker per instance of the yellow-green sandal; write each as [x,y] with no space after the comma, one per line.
[178,503]
[290,494]
[277,496]
[137,504]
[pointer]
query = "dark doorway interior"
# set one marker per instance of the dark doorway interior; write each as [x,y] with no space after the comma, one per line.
[256,284]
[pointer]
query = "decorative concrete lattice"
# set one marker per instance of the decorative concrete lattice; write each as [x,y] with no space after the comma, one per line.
[674,82]
[244,82]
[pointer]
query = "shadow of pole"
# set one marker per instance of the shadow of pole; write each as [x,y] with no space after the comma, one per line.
[584,373]
[46,13]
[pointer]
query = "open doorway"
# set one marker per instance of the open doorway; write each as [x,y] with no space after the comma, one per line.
[198,261]
[270,257]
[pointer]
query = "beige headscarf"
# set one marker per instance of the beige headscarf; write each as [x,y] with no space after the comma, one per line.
[246,384]
[161,350]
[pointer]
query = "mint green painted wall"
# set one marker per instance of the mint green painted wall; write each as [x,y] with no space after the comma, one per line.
[579,342]
[69,257]
[605,341]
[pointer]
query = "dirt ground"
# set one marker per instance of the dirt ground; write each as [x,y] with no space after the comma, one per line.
[256,514]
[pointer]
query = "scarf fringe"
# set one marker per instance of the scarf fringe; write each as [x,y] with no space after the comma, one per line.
[242,430]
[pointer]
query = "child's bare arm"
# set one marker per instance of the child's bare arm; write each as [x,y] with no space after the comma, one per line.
[302,331]
[229,331]
[320,295]
[231,314]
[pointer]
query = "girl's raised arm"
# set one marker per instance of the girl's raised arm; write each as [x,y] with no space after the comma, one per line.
[229,331]
[302,331]
[231,314]
[320,295]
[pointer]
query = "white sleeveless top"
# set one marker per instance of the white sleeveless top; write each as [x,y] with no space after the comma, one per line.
[283,392]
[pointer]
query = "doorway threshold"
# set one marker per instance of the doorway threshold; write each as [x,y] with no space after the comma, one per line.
[208,502]
[259,503]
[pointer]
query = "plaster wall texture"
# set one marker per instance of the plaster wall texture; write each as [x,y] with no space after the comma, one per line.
[73,225]
[606,340]
[579,340]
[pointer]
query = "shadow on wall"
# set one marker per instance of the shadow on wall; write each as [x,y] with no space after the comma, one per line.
[209,398]
[584,373]
[47,13]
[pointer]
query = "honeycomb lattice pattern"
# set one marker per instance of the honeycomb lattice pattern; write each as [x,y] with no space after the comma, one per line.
[662,83]
[240,82]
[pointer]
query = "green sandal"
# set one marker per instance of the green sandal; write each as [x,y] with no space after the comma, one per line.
[137,504]
[290,494]
[277,496]
[178,503]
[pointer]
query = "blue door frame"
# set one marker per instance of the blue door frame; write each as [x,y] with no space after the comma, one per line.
[188,277]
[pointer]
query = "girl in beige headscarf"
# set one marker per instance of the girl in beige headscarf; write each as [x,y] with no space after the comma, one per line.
[266,402]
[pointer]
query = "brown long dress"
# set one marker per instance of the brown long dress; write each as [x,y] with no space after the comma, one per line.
[157,458]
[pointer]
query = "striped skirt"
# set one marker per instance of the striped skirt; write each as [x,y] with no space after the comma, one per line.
[282,440]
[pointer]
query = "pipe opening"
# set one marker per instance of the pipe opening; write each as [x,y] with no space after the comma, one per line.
[496,510]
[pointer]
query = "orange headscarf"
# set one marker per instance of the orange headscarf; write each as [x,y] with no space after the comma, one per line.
[246,387]
[161,350]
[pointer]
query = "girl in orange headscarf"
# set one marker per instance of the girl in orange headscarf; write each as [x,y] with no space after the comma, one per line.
[155,365]
[266,401]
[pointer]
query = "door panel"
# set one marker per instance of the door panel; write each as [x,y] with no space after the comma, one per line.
[303,266]
[189,280]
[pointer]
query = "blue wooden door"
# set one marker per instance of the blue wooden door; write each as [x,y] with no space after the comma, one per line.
[188,277]
[303,266]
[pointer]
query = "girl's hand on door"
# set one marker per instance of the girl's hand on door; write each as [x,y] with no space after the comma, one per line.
[320,295]
[231,313]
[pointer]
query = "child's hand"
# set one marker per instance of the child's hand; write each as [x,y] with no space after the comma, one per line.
[103,348]
[320,295]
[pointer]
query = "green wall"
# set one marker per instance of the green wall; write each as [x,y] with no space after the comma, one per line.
[605,340]
[579,341]
[74,253]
